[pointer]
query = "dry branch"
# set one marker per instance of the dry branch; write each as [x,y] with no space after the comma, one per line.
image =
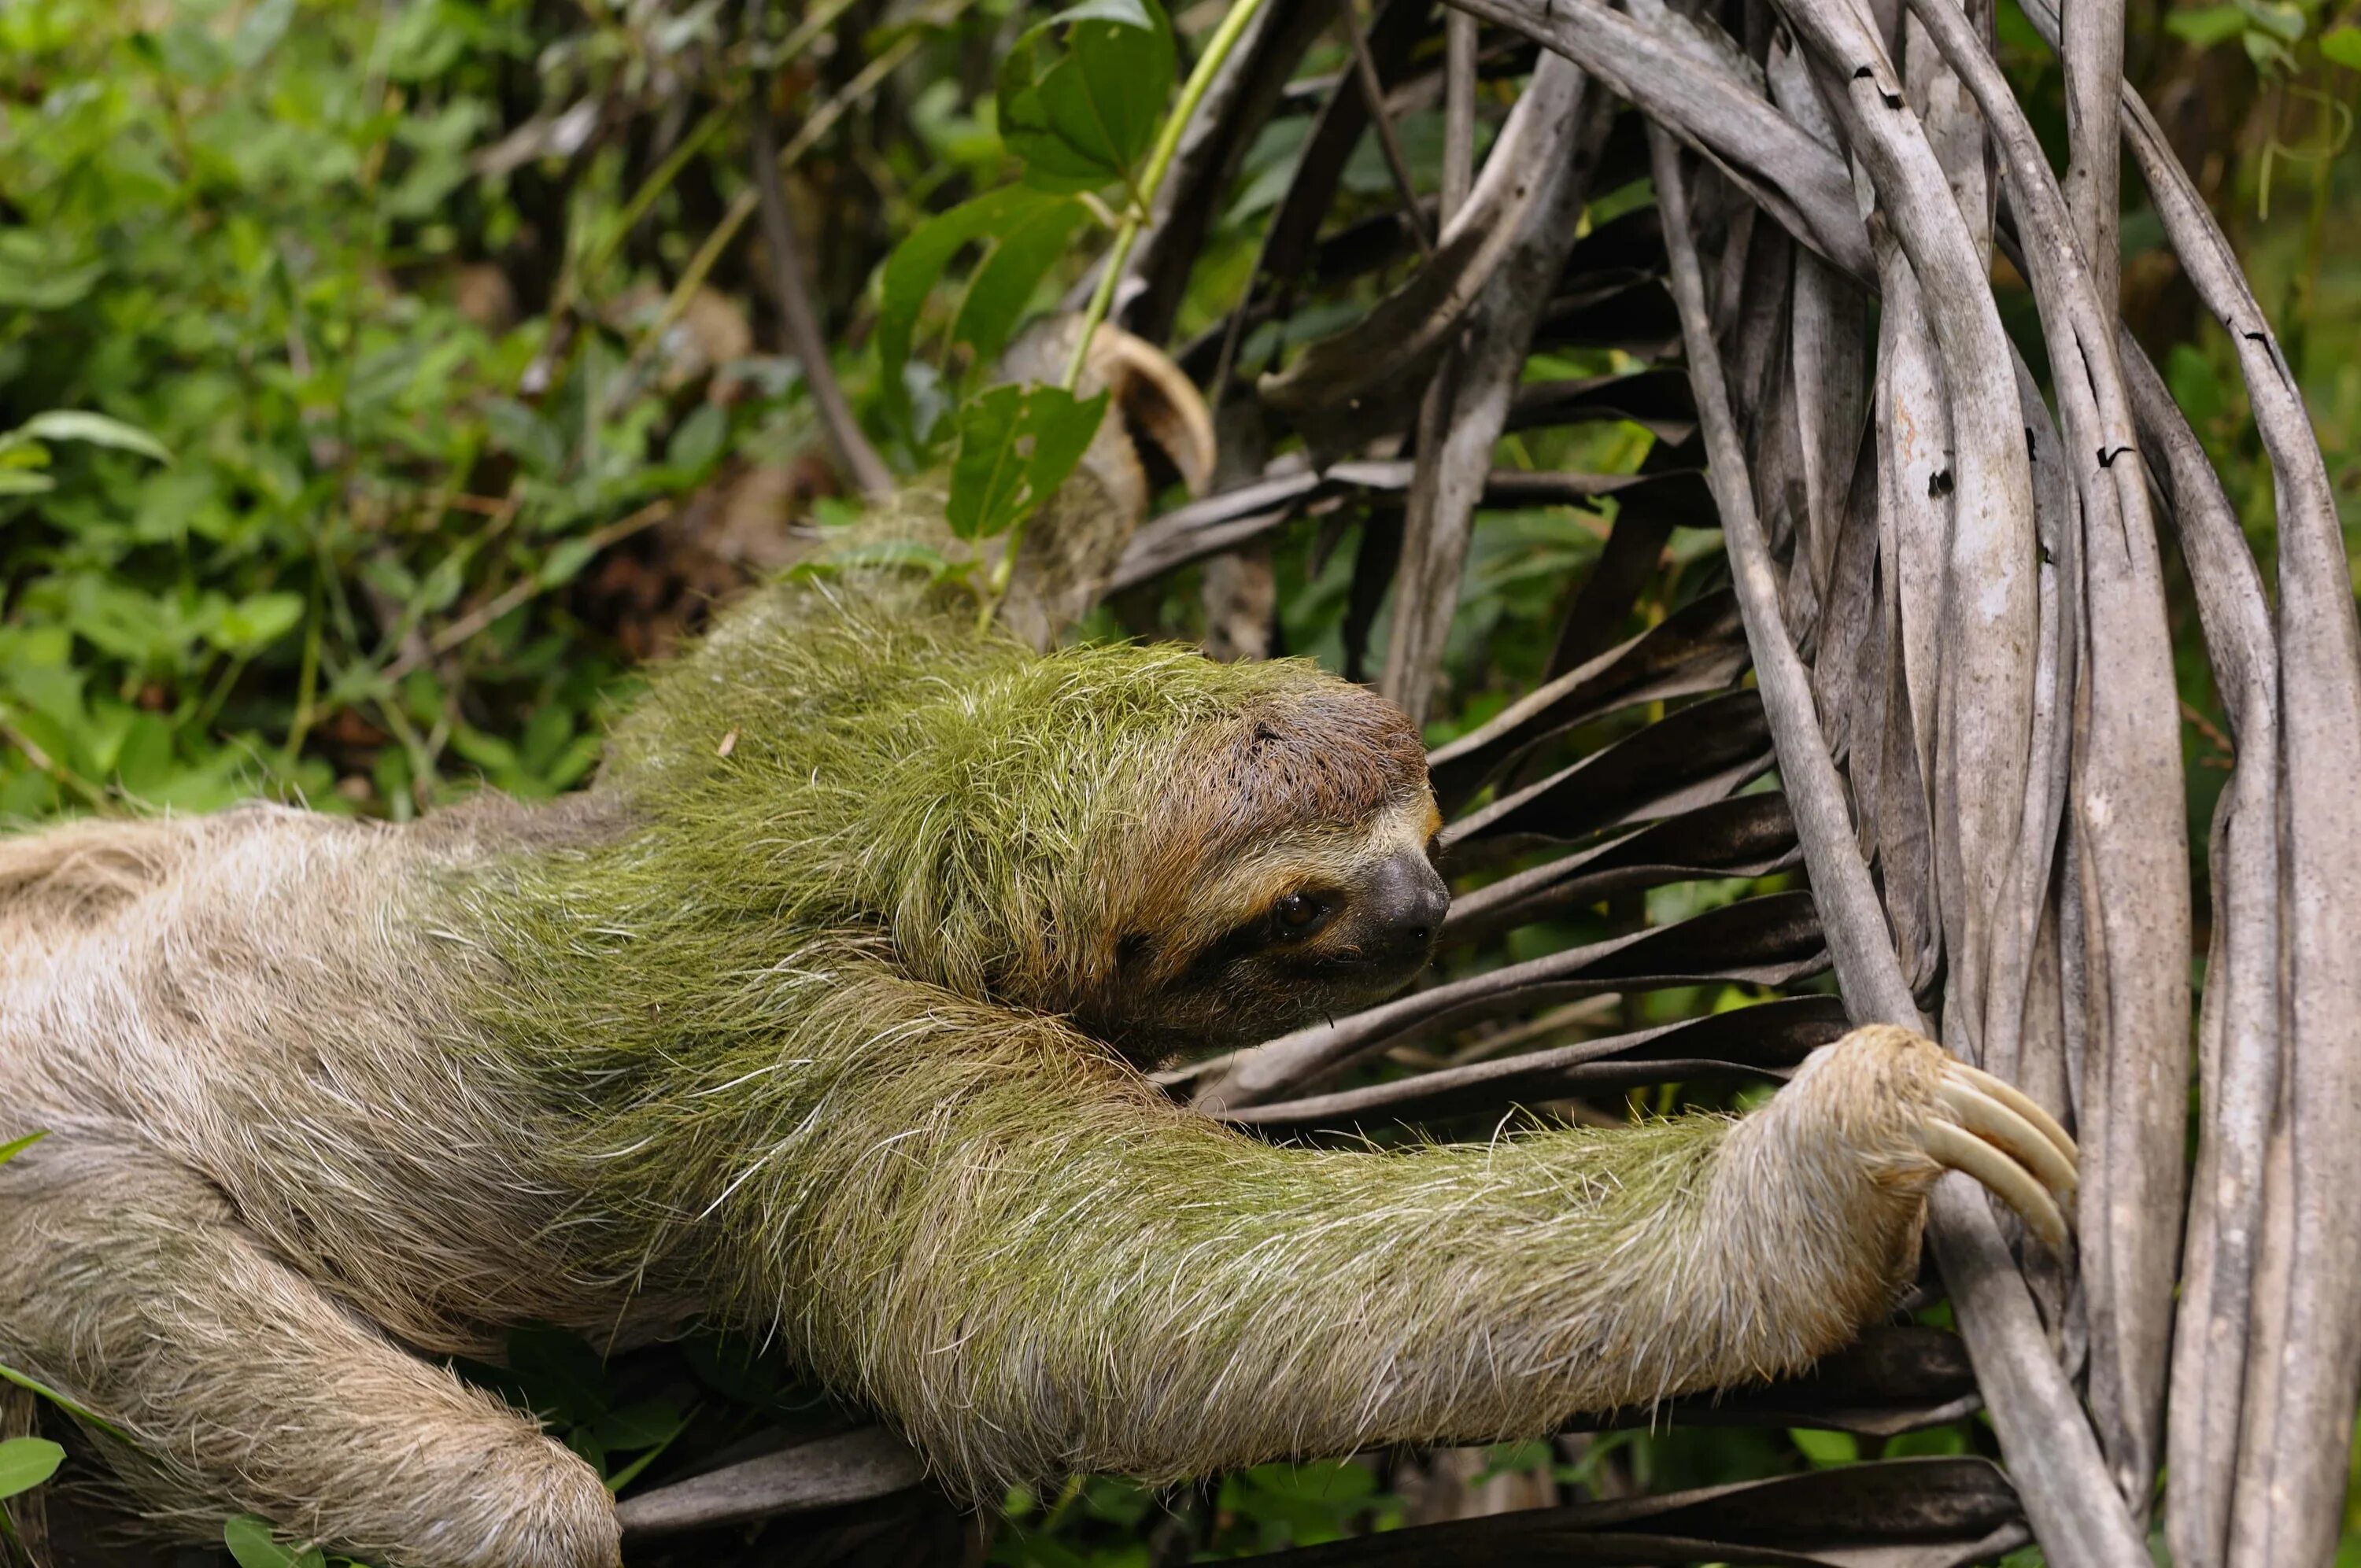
[2055,1459]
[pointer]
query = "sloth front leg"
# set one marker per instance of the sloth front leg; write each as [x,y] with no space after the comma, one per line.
[1032,1278]
[243,1388]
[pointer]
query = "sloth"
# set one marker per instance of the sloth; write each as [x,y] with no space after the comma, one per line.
[822,1015]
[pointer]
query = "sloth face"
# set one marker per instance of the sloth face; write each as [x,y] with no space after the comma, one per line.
[1289,876]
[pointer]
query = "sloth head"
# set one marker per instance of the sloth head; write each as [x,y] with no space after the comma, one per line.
[1282,871]
[1174,853]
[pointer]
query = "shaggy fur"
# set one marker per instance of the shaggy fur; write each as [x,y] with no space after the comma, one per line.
[819,1016]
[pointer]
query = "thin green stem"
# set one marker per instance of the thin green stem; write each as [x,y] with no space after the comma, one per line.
[1151,180]
[1159,161]
[80,1413]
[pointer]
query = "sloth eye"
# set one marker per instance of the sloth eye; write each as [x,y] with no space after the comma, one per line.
[1297,913]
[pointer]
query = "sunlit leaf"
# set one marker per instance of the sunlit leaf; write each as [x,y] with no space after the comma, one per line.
[1016,445]
[1826,1448]
[26,1462]
[1083,115]
[1004,281]
[910,272]
[93,429]
[254,1545]
[2207,26]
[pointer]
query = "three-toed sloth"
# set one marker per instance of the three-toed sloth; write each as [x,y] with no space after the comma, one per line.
[820,1015]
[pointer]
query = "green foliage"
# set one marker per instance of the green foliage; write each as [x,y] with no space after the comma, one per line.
[244,236]
[1016,445]
[1081,102]
[1082,109]
[26,1462]
[1015,224]
[253,1544]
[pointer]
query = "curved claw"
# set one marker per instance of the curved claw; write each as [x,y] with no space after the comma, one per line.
[1995,1133]
[2018,1100]
[1954,1147]
[1996,1122]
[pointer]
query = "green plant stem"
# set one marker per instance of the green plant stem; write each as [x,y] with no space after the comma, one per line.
[81,1413]
[1160,161]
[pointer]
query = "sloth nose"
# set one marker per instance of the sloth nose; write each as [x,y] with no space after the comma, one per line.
[1406,901]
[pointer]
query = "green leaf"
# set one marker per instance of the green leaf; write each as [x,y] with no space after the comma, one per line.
[2266,51]
[910,272]
[253,1544]
[1083,116]
[535,440]
[639,1426]
[561,1376]
[26,1462]
[1826,1448]
[699,440]
[1016,445]
[96,429]
[255,622]
[2341,46]
[1004,283]
[18,482]
[260,33]
[2281,18]
[80,1413]
[2207,26]
[566,563]
[11,1149]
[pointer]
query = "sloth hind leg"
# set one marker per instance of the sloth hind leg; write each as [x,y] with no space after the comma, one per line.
[246,1389]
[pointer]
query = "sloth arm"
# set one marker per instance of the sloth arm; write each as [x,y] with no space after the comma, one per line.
[1033,1263]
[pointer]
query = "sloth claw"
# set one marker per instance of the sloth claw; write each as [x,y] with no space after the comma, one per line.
[1993,1132]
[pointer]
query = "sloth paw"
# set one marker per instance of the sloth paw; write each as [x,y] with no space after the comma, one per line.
[1995,1133]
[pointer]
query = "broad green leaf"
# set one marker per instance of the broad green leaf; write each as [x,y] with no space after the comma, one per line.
[1016,445]
[252,1543]
[525,432]
[26,1462]
[2266,51]
[566,563]
[46,287]
[698,439]
[97,430]
[2281,18]
[561,1375]
[2341,46]
[22,482]
[643,1425]
[1083,115]
[1004,281]
[2208,25]
[15,1146]
[255,622]
[909,273]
